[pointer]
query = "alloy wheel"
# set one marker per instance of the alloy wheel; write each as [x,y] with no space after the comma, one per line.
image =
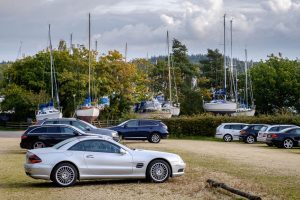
[250,139]
[38,145]
[155,138]
[288,143]
[227,138]
[65,175]
[159,172]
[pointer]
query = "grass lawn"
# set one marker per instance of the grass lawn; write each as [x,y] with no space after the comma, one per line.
[14,184]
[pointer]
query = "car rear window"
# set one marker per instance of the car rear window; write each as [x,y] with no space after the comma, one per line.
[39,130]
[227,127]
[236,127]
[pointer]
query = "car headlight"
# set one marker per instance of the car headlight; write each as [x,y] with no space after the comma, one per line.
[114,134]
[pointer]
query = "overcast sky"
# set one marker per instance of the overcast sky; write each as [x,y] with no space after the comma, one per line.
[263,26]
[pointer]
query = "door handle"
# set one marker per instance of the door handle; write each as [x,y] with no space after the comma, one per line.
[89,156]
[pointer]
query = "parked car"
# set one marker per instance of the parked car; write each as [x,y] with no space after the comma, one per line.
[82,125]
[98,157]
[142,129]
[262,134]
[40,136]
[249,133]
[229,131]
[287,138]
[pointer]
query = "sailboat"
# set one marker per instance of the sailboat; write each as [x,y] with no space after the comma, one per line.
[48,110]
[168,105]
[244,109]
[220,104]
[87,111]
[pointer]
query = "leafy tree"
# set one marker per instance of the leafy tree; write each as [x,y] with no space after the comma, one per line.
[276,84]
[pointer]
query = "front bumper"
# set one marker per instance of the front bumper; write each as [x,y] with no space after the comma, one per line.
[178,169]
[38,171]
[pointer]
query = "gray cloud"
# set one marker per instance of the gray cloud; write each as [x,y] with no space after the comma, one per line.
[265,27]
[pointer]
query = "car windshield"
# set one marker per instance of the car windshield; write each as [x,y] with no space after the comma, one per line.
[122,124]
[59,145]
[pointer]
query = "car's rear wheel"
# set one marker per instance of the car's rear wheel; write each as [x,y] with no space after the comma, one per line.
[64,175]
[158,171]
[38,144]
[250,139]
[227,138]
[288,143]
[154,138]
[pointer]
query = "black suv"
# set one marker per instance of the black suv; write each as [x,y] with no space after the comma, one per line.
[249,133]
[142,129]
[39,136]
[82,125]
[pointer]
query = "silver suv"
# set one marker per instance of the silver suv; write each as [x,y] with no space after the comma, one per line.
[229,131]
[82,125]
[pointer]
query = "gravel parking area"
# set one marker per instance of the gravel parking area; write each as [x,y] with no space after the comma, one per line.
[267,172]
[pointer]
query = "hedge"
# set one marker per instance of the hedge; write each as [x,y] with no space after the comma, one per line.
[205,125]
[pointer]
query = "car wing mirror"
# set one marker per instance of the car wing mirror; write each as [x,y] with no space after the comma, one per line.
[88,128]
[123,152]
[125,126]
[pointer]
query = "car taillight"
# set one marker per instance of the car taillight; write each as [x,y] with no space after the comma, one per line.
[34,159]
[274,136]
[23,137]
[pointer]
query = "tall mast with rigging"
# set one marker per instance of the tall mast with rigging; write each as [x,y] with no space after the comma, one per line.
[169,68]
[225,55]
[89,55]
[51,60]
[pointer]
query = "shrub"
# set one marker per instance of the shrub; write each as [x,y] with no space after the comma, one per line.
[205,125]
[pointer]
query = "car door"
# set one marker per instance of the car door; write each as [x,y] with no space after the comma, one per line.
[130,129]
[52,135]
[105,159]
[145,128]
[297,137]
[235,130]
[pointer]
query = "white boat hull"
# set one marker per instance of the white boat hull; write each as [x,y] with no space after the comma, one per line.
[47,115]
[222,108]
[88,114]
[245,112]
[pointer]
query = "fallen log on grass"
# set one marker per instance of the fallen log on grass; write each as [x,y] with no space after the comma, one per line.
[216,184]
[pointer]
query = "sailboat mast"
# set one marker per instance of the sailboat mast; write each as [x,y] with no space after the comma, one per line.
[126,52]
[246,81]
[225,55]
[51,61]
[89,55]
[234,82]
[169,68]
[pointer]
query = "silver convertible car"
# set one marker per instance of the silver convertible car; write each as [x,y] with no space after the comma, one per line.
[99,157]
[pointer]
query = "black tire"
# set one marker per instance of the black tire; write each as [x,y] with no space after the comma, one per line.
[158,171]
[38,144]
[227,138]
[154,138]
[250,139]
[64,175]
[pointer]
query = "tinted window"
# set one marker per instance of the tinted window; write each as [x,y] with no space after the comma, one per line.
[292,131]
[66,130]
[236,127]
[257,128]
[227,127]
[147,123]
[48,122]
[64,122]
[283,127]
[132,123]
[39,130]
[264,128]
[96,146]
[297,131]
[53,130]
[79,125]
[274,129]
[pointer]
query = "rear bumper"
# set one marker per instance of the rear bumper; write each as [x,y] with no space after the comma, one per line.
[24,145]
[38,171]
[219,135]
[261,139]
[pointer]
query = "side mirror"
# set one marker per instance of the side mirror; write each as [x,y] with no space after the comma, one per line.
[88,128]
[125,126]
[75,133]
[123,152]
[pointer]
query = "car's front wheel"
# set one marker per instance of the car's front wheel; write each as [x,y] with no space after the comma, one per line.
[288,143]
[227,138]
[64,175]
[154,138]
[250,139]
[158,171]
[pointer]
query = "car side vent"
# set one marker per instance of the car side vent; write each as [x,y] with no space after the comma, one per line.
[139,165]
